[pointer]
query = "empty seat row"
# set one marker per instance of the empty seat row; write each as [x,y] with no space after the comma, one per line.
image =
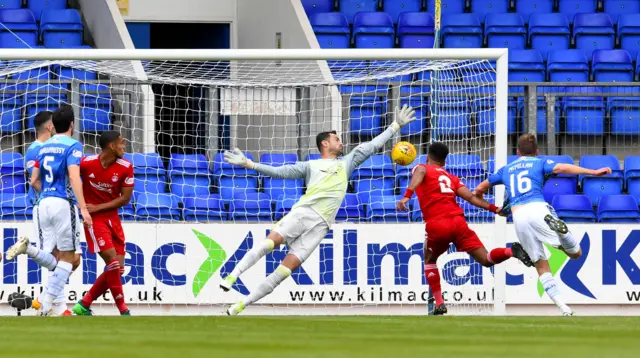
[56,28]
[611,208]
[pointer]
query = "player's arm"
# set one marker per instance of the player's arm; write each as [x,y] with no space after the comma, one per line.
[417,177]
[117,203]
[493,180]
[474,200]
[292,171]
[34,181]
[562,168]
[73,169]
[362,152]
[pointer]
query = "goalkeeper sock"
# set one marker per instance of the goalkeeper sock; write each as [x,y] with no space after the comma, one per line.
[98,289]
[267,286]
[499,255]
[56,284]
[255,254]
[43,258]
[115,285]
[551,288]
[433,278]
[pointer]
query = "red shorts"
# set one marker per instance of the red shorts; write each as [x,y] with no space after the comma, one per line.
[440,233]
[105,234]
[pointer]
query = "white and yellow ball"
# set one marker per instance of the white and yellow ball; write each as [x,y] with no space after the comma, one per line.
[403,153]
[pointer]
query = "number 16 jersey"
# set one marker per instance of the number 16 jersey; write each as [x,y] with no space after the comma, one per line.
[437,193]
[54,156]
[523,179]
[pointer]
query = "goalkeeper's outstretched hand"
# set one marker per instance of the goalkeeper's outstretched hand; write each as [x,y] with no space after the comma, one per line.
[236,157]
[403,116]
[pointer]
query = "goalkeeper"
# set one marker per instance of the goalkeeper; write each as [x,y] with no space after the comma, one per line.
[311,217]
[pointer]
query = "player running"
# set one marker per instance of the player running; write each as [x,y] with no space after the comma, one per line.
[61,190]
[444,219]
[535,221]
[311,217]
[107,185]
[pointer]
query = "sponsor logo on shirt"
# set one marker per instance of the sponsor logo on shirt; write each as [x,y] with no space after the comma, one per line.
[31,163]
[77,154]
[128,181]
[106,187]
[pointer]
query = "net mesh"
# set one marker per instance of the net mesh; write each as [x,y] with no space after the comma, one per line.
[178,116]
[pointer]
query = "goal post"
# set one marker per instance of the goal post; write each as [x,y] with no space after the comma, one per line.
[193,217]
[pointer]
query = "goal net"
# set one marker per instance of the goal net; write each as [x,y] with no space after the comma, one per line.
[192,216]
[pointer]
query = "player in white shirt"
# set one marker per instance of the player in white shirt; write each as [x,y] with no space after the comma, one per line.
[535,221]
[311,217]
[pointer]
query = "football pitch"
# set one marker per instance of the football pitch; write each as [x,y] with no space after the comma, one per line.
[327,337]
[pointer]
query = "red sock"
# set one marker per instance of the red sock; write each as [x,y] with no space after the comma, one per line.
[433,278]
[499,255]
[98,289]
[115,285]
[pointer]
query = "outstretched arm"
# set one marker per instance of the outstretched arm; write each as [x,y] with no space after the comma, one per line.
[562,168]
[482,188]
[293,171]
[416,179]
[474,200]
[362,152]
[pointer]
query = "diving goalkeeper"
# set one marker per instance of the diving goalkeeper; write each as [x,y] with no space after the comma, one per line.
[310,218]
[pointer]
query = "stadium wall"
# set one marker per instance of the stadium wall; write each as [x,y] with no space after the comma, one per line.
[182,11]
[174,269]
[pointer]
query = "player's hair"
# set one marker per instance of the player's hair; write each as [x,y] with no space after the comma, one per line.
[323,136]
[527,145]
[108,137]
[438,151]
[41,119]
[62,118]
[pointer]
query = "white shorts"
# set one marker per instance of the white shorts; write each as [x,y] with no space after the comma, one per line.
[58,225]
[533,232]
[303,230]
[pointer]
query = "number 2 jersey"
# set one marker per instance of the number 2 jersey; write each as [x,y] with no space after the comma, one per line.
[53,158]
[437,193]
[523,179]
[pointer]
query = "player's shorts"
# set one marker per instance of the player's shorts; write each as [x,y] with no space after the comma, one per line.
[440,233]
[533,232]
[59,224]
[106,233]
[302,229]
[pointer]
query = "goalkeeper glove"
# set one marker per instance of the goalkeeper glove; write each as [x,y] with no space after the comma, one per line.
[236,157]
[403,117]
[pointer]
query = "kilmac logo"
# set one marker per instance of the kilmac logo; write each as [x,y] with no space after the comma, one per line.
[568,269]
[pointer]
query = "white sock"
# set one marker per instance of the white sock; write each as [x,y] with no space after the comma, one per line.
[255,254]
[266,287]
[43,258]
[551,288]
[56,284]
[569,243]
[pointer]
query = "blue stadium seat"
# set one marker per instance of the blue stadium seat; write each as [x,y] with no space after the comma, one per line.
[597,187]
[561,184]
[572,7]
[584,115]
[618,209]
[331,29]
[453,119]
[617,8]
[43,97]
[415,30]
[398,7]
[205,208]
[486,117]
[527,8]
[42,74]
[447,6]
[474,214]
[157,207]
[414,209]
[12,4]
[19,29]
[419,125]
[465,165]
[189,174]
[61,28]
[15,207]
[541,113]
[403,172]
[38,6]
[276,187]
[12,173]
[374,177]
[526,66]
[314,156]
[148,171]
[351,7]
[593,32]
[612,66]
[11,107]
[461,31]
[312,7]
[365,115]
[383,209]
[351,209]
[250,207]
[231,179]
[373,30]
[127,212]
[482,8]
[95,113]
[632,175]
[567,66]
[548,31]
[505,31]
[284,205]
[67,73]
[574,208]
[628,34]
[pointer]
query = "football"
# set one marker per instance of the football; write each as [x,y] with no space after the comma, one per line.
[403,153]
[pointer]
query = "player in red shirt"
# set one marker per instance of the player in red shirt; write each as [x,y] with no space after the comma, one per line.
[444,219]
[107,183]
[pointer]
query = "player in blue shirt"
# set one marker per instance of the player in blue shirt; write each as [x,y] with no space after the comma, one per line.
[56,175]
[535,221]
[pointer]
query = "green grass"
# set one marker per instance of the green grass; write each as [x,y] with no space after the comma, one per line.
[327,337]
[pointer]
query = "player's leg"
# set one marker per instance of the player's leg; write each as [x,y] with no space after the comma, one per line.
[437,241]
[551,286]
[23,246]
[568,243]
